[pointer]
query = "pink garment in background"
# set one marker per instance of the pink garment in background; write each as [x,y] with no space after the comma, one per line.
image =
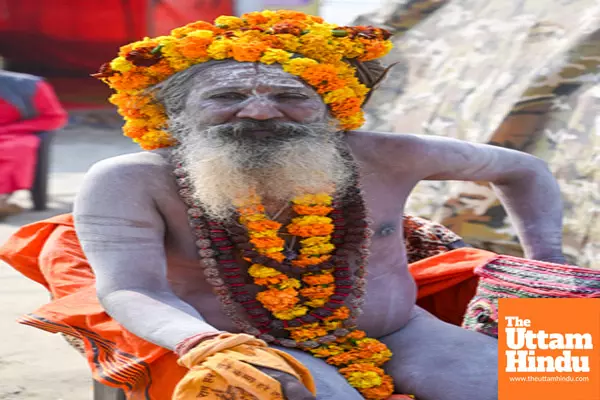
[18,140]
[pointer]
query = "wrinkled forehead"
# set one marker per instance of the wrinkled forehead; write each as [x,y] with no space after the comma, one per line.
[246,75]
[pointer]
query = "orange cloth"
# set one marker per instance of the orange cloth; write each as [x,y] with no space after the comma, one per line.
[49,253]
[225,364]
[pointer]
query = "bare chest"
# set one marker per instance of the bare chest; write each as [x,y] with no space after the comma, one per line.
[390,289]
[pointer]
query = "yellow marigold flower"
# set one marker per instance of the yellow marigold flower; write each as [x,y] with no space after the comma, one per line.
[261,271]
[287,315]
[322,30]
[229,22]
[219,49]
[201,34]
[121,64]
[296,66]
[311,219]
[316,303]
[275,56]
[318,250]
[289,283]
[289,41]
[269,233]
[349,47]
[352,122]
[315,240]
[250,217]
[332,325]
[313,199]
[363,380]
[338,95]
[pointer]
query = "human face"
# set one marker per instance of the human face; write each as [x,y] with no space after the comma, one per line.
[231,92]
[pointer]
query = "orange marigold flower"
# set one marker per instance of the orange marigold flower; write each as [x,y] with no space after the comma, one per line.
[278,300]
[263,225]
[305,261]
[250,52]
[267,242]
[346,358]
[323,78]
[255,18]
[291,14]
[374,49]
[322,279]
[278,256]
[310,230]
[318,292]
[307,332]
[346,108]
[312,210]
[381,392]
[135,132]
[131,81]
[354,335]
[341,313]
[275,280]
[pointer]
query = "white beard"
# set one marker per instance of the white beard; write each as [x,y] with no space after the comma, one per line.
[225,164]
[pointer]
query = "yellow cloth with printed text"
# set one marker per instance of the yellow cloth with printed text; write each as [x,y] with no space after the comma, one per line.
[224,366]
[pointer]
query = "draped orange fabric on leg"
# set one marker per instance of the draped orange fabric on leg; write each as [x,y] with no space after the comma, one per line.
[49,253]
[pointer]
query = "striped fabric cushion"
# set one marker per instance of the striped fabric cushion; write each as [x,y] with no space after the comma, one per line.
[513,277]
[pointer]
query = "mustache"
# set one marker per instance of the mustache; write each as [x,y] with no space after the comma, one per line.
[243,128]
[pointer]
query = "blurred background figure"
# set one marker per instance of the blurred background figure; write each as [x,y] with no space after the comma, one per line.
[28,108]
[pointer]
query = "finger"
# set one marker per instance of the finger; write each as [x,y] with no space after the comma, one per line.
[291,387]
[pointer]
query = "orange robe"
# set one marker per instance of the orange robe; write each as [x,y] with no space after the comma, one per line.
[49,253]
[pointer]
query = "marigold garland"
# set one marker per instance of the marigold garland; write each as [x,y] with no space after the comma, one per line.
[357,356]
[302,44]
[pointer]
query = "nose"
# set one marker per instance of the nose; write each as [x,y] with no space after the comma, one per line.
[259,109]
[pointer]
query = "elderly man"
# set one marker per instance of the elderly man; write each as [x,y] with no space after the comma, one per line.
[258,212]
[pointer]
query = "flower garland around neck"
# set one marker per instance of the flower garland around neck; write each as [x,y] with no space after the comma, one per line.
[358,358]
[304,45]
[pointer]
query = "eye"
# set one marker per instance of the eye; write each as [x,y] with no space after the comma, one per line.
[291,96]
[228,96]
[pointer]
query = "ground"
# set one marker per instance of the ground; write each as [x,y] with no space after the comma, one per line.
[35,364]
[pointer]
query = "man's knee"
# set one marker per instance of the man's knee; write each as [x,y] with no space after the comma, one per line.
[433,359]
[330,384]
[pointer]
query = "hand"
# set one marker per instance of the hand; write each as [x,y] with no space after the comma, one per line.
[292,388]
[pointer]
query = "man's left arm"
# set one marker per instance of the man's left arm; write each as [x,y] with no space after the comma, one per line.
[524,185]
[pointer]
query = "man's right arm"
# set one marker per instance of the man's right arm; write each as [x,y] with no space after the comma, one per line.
[122,234]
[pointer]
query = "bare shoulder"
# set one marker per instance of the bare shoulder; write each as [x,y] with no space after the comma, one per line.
[147,168]
[401,152]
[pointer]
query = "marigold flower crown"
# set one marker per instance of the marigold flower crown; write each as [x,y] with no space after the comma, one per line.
[304,45]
